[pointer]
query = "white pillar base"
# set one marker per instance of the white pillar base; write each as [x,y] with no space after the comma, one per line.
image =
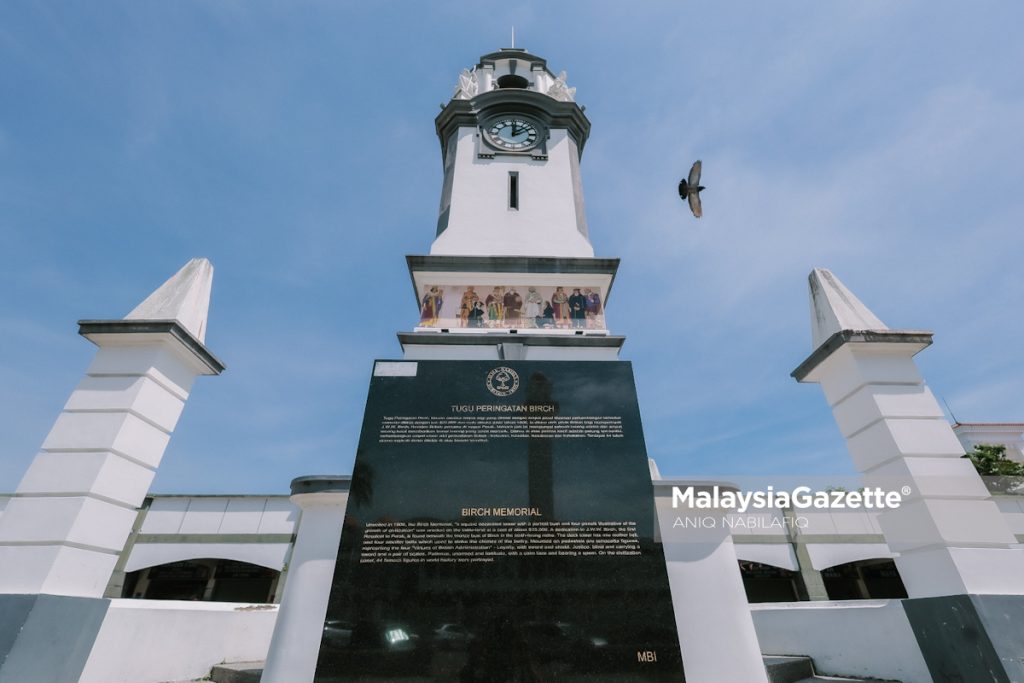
[716,631]
[295,645]
[47,637]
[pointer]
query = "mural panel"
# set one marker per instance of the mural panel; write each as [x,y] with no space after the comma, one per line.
[512,307]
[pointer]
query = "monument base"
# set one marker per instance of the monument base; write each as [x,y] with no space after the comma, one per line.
[500,527]
[47,637]
[970,637]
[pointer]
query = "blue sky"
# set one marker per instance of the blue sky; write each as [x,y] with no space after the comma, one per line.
[293,145]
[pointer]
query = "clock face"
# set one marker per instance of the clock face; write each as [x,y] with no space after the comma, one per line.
[513,133]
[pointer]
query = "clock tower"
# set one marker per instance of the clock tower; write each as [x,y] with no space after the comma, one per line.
[512,252]
[509,489]
[511,140]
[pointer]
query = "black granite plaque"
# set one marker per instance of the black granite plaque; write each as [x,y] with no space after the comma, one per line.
[500,528]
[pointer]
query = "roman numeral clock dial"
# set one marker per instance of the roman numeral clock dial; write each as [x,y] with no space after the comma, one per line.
[513,134]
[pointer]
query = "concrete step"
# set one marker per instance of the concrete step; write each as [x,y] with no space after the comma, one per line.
[788,669]
[780,670]
[237,672]
[785,669]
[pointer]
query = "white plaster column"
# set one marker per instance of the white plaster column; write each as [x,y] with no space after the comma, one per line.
[716,631]
[68,520]
[948,534]
[295,645]
[485,76]
[541,80]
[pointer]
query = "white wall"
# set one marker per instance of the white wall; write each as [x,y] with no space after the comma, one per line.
[269,555]
[841,522]
[868,638]
[823,531]
[547,221]
[210,516]
[1010,435]
[151,641]
[451,351]
[221,514]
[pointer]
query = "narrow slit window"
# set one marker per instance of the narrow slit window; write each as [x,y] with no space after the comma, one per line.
[513,190]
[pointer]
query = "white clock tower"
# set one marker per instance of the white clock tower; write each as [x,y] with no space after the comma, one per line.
[512,253]
[511,140]
[511,276]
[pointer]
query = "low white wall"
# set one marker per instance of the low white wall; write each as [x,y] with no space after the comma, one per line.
[269,555]
[865,638]
[152,641]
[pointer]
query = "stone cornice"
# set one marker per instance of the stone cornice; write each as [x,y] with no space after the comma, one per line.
[171,329]
[319,483]
[511,264]
[506,337]
[922,338]
[512,53]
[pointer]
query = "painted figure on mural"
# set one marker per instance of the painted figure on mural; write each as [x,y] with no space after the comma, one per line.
[513,307]
[495,306]
[430,310]
[560,303]
[547,318]
[578,308]
[469,297]
[475,317]
[593,307]
[534,306]
[518,301]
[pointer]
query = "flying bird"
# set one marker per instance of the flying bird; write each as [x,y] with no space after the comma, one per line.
[689,189]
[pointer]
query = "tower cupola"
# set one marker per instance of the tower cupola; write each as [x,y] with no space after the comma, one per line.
[512,68]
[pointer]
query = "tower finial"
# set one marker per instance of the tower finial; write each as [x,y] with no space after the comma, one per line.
[513,35]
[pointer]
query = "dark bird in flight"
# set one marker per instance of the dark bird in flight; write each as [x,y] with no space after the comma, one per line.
[689,189]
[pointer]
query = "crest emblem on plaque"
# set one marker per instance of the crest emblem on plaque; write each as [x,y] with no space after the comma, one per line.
[502,381]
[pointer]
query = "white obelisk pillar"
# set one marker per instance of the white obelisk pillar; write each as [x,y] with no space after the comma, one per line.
[66,524]
[948,535]
[295,645]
